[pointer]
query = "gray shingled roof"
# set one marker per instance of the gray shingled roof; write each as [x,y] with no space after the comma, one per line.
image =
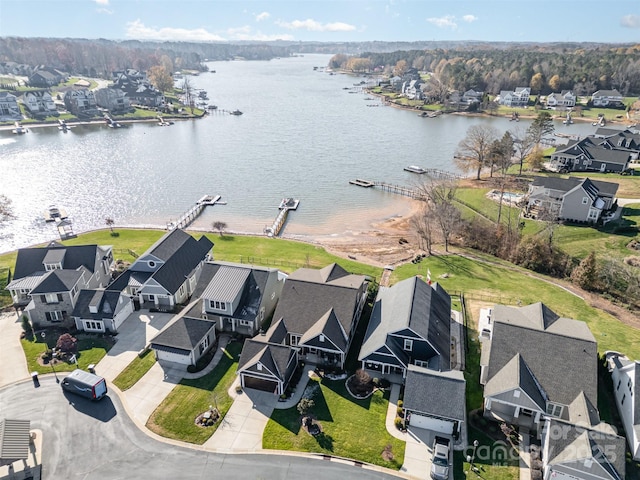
[58,281]
[305,298]
[31,260]
[516,375]
[600,444]
[560,352]
[329,326]
[565,184]
[332,274]
[176,269]
[583,412]
[185,333]
[106,302]
[441,394]
[413,304]
[168,244]
[274,357]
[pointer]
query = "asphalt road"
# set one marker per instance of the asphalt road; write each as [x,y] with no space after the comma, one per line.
[87,440]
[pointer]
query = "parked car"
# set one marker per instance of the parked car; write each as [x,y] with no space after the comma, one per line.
[440,461]
[85,384]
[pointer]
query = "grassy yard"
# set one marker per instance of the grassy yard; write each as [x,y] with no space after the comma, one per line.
[91,349]
[351,428]
[175,416]
[135,370]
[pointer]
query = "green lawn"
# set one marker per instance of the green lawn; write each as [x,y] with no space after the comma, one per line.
[91,349]
[135,370]
[175,416]
[350,428]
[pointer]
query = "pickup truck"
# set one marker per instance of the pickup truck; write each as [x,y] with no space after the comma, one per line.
[440,460]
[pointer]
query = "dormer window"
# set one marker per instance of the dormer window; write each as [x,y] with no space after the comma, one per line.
[554,409]
[408,344]
[52,266]
[214,304]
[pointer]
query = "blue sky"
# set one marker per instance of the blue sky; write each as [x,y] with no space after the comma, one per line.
[615,21]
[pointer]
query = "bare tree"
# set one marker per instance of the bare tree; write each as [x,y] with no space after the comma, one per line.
[109,222]
[219,226]
[524,144]
[474,150]
[423,225]
[6,210]
[188,93]
[438,197]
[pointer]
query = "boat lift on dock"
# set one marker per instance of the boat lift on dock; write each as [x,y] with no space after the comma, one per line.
[285,205]
[191,214]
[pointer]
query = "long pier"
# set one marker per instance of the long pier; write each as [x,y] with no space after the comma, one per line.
[404,190]
[190,215]
[286,205]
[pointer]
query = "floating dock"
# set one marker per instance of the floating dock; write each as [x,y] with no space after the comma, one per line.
[286,205]
[361,183]
[191,214]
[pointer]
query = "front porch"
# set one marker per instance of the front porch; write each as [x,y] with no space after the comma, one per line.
[393,373]
[512,415]
[320,357]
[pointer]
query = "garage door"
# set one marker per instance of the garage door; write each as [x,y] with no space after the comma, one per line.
[430,423]
[260,384]
[173,357]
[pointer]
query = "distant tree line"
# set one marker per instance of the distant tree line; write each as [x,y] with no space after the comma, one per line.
[545,69]
[98,58]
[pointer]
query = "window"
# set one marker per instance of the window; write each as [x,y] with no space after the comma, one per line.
[204,345]
[217,305]
[294,340]
[52,297]
[408,344]
[246,323]
[622,401]
[554,409]
[619,382]
[52,266]
[55,316]
[585,200]
[321,338]
[421,363]
[93,325]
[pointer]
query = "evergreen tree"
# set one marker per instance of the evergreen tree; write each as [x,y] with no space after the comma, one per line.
[585,275]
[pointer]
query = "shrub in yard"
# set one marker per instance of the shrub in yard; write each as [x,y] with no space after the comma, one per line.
[26,326]
[305,405]
[400,412]
[399,423]
[67,343]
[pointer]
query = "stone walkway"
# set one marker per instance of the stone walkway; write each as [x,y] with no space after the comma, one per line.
[525,457]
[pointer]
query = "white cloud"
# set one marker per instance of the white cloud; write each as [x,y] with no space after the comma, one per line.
[262,37]
[448,21]
[139,31]
[630,21]
[102,2]
[469,18]
[105,10]
[315,26]
[262,16]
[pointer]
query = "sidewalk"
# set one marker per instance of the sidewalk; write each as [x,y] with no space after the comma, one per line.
[525,457]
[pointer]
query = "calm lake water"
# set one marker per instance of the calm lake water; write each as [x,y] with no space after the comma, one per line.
[302,135]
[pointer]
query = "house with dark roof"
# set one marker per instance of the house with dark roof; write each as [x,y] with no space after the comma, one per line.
[587,450]
[591,154]
[626,389]
[113,99]
[239,298]
[266,366]
[44,78]
[317,315]
[167,273]
[184,340]
[410,325]
[101,310]
[47,281]
[574,199]
[607,98]
[435,400]
[81,102]
[537,365]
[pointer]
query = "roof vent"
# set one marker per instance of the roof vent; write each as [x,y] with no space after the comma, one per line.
[321,337]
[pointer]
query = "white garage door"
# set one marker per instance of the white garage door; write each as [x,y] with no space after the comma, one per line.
[430,423]
[173,357]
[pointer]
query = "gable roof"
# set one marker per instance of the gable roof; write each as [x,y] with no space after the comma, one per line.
[413,304]
[227,283]
[105,301]
[569,363]
[31,260]
[307,295]
[184,334]
[517,375]
[58,281]
[329,327]
[566,184]
[274,357]
[441,394]
[176,269]
[167,245]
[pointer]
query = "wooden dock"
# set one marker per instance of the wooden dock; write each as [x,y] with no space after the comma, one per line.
[285,206]
[361,183]
[190,215]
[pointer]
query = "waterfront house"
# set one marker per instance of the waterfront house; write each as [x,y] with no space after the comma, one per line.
[472,96]
[40,104]
[412,89]
[591,154]
[517,98]
[143,94]
[607,98]
[43,78]
[101,311]
[238,298]
[184,340]
[9,108]
[81,102]
[47,281]
[522,385]
[113,99]
[574,199]
[166,274]
[564,99]
[410,325]
[625,374]
[314,321]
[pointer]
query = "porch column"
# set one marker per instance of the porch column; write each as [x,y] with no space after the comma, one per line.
[537,418]
[233,324]
[487,403]
[516,414]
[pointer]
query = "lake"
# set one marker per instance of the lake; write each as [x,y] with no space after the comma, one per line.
[302,135]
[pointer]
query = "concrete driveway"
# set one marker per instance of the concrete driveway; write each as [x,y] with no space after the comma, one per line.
[242,427]
[134,335]
[13,365]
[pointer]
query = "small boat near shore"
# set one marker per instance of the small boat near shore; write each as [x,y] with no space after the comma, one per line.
[54,214]
[19,129]
[415,169]
[236,112]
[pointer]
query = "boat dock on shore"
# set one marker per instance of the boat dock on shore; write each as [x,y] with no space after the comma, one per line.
[193,212]
[286,205]
[361,183]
